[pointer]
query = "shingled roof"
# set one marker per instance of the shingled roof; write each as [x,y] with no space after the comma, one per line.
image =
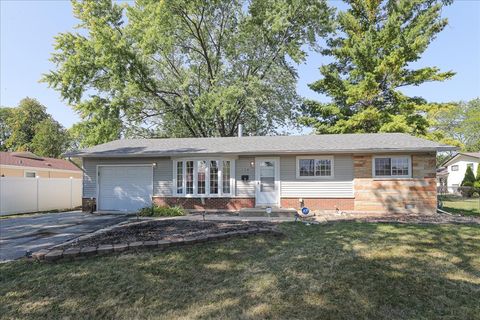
[27,159]
[327,143]
[448,161]
[472,154]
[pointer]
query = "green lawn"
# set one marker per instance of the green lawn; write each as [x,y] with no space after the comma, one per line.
[345,270]
[467,207]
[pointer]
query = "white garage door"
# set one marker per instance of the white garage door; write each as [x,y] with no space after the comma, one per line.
[125,188]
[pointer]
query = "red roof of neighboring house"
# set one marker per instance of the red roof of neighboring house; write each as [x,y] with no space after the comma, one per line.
[28,159]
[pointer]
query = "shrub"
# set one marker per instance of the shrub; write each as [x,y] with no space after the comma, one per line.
[156,211]
[466,191]
[469,178]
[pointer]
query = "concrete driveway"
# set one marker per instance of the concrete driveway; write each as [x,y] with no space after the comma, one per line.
[17,235]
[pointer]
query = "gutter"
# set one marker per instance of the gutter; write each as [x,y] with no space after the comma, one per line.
[76,165]
[258,153]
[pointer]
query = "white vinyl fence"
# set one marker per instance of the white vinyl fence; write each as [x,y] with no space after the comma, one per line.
[18,194]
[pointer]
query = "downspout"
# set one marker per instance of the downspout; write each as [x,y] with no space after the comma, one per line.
[76,165]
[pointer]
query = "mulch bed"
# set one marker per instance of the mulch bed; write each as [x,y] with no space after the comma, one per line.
[165,230]
[439,218]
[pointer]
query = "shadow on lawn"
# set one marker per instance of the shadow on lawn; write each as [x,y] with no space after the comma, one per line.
[463,212]
[335,271]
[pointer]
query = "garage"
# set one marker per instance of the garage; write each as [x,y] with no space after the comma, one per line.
[124,188]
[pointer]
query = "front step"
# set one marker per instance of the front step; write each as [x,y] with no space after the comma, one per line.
[262,212]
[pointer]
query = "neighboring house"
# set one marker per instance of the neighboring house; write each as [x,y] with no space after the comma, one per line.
[442,177]
[388,172]
[28,165]
[457,166]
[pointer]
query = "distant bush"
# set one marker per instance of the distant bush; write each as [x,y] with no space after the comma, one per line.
[469,178]
[467,186]
[156,211]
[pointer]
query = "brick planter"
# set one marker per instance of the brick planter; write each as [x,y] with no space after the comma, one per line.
[229,204]
[53,255]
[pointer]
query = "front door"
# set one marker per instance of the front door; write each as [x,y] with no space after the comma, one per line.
[268,186]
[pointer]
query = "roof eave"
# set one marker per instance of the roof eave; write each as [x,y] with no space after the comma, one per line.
[259,152]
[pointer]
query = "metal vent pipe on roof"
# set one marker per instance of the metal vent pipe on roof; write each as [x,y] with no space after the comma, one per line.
[240,130]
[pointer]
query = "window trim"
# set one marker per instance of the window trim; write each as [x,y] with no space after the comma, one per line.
[409,157]
[454,165]
[207,194]
[29,171]
[316,157]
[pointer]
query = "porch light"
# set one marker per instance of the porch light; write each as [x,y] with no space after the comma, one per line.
[252,164]
[154,164]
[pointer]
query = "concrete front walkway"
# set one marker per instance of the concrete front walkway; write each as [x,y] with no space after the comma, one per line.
[40,231]
[221,217]
[324,217]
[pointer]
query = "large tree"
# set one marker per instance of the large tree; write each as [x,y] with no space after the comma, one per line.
[457,123]
[22,123]
[5,130]
[29,127]
[50,140]
[186,67]
[373,51]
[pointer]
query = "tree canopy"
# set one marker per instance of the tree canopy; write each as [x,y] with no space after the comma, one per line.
[5,130]
[373,51]
[29,127]
[457,124]
[185,67]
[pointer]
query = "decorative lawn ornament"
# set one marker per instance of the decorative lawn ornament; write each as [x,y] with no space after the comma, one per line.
[305,210]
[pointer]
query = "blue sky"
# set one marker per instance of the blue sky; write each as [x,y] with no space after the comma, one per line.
[28,28]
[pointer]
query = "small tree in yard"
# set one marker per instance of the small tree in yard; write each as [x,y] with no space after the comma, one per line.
[476,184]
[468,183]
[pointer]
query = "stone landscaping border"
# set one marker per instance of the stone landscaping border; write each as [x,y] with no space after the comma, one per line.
[56,253]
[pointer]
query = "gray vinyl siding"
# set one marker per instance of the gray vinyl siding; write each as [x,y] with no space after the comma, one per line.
[163,177]
[341,186]
[162,173]
[242,167]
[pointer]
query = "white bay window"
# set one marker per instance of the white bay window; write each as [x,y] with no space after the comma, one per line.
[226,180]
[203,177]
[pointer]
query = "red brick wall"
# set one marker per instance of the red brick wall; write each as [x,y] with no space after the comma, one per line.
[210,203]
[238,203]
[87,204]
[319,203]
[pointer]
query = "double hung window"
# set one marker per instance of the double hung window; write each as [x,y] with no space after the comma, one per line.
[311,167]
[398,167]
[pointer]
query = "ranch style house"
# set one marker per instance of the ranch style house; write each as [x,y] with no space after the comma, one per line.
[381,172]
